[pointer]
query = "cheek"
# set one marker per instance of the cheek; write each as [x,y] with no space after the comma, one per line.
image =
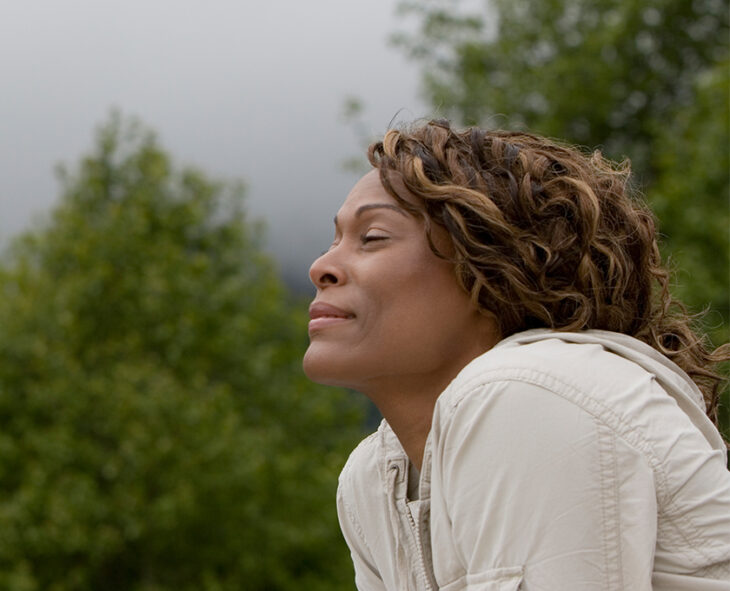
[426,302]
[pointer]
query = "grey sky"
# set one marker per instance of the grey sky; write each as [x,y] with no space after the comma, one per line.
[242,89]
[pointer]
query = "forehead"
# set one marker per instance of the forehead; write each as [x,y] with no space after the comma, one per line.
[368,190]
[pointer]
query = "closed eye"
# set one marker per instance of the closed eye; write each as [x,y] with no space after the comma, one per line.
[372,238]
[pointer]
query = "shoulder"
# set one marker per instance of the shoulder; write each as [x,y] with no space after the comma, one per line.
[361,490]
[352,497]
[603,421]
[362,464]
[624,393]
[362,506]
[613,389]
[623,396]
[554,364]
[555,391]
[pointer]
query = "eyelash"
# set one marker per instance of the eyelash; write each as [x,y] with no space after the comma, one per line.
[365,238]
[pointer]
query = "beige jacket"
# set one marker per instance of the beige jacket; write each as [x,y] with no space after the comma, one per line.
[555,461]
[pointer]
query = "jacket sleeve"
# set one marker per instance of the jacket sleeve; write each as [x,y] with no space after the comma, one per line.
[366,574]
[526,481]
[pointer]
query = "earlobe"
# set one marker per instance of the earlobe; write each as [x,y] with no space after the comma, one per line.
[490,333]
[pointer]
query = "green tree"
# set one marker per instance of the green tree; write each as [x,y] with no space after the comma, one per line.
[691,197]
[156,431]
[594,72]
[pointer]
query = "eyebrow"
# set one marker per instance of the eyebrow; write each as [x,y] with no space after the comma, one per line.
[368,206]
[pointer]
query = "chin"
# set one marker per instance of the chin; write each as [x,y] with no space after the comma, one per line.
[320,368]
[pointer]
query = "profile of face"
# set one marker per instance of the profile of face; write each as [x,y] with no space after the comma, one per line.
[388,313]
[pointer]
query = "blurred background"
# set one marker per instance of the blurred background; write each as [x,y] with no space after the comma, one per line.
[168,170]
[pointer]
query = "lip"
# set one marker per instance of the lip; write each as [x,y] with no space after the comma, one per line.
[324,315]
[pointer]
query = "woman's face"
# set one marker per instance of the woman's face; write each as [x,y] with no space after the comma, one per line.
[388,312]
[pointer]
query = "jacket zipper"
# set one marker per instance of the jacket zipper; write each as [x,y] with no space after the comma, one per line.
[416,529]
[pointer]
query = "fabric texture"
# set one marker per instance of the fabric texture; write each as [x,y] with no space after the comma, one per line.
[555,461]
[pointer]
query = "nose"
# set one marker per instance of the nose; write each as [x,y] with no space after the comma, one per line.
[326,271]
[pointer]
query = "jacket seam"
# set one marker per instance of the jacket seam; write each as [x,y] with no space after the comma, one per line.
[610,507]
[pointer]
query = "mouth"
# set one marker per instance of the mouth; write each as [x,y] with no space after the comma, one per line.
[326,315]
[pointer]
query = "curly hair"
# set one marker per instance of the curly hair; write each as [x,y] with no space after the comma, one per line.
[545,236]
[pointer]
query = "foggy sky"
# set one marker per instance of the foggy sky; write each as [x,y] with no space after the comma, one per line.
[242,89]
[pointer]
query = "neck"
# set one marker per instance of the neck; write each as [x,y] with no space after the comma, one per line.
[407,402]
[408,408]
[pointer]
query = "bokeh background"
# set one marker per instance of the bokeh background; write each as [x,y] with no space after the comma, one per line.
[168,170]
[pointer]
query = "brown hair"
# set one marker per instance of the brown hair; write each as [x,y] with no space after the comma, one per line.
[545,236]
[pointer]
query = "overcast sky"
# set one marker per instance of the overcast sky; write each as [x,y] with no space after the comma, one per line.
[242,89]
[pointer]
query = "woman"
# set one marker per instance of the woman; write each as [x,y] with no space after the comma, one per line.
[548,412]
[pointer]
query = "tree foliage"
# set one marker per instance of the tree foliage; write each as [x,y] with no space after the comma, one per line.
[691,197]
[595,72]
[156,431]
